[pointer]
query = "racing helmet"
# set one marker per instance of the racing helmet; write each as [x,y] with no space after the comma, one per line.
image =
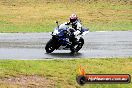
[73,18]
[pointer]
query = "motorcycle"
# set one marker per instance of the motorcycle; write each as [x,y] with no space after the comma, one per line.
[63,36]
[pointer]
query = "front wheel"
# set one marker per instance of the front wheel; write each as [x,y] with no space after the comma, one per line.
[50,46]
[78,46]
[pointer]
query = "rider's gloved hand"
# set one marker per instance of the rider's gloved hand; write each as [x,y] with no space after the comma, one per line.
[67,23]
[76,33]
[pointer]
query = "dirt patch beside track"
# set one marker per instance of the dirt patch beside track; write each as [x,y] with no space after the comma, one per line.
[27,82]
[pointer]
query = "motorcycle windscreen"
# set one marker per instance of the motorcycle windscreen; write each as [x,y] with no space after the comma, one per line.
[62,32]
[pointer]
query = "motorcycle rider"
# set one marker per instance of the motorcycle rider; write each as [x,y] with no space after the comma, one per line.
[77,26]
[68,35]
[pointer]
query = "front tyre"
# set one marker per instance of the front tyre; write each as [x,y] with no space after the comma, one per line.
[78,46]
[50,46]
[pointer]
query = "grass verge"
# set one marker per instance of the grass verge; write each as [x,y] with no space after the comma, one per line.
[64,72]
[40,15]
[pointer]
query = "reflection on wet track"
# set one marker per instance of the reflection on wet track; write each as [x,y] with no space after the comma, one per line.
[97,45]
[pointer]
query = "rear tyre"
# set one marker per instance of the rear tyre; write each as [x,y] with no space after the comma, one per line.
[50,46]
[75,48]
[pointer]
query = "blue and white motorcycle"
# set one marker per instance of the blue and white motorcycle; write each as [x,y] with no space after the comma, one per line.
[63,37]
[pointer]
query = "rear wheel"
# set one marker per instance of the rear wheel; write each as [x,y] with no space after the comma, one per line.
[50,46]
[78,46]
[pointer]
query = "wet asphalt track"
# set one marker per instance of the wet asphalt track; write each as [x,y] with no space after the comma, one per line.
[97,45]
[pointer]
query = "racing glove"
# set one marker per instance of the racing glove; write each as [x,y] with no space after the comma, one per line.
[76,33]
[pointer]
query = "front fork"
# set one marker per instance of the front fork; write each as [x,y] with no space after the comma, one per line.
[56,44]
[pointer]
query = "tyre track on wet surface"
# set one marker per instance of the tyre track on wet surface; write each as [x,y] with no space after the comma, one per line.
[97,45]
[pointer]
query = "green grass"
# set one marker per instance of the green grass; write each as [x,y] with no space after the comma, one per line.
[64,71]
[40,15]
